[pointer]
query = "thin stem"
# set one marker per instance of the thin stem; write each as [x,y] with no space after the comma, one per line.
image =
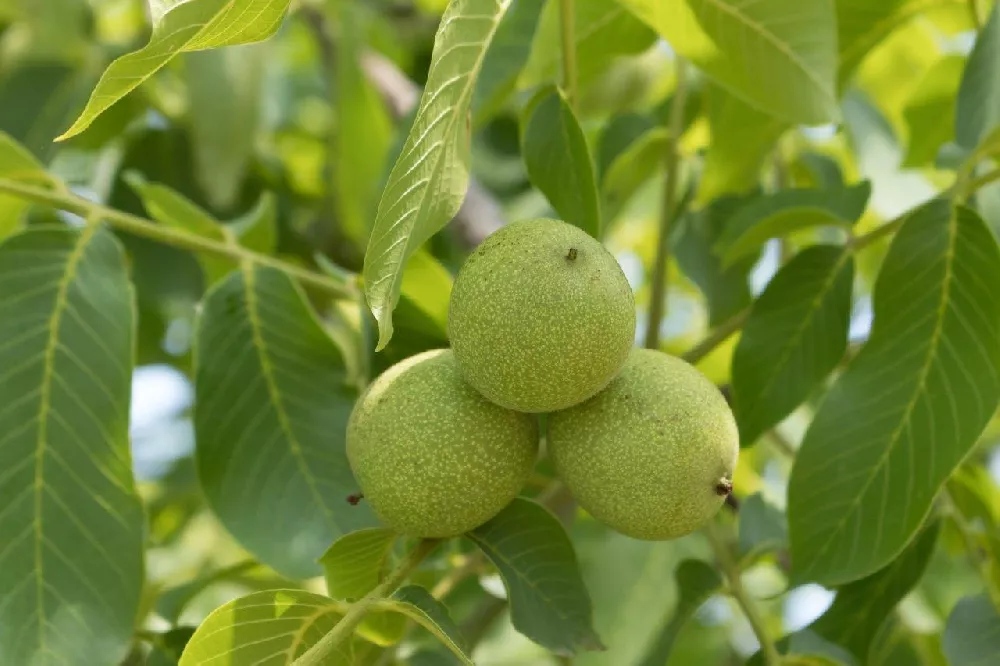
[781,443]
[716,337]
[320,653]
[657,303]
[95,213]
[732,572]
[976,183]
[568,31]
[858,243]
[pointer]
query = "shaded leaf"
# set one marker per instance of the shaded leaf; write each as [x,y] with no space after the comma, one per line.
[507,56]
[910,405]
[17,163]
[862,607]
[417,603]
[169,647]
[271,409]
[257,230]
[795,336]
[779,56]
[618,135]
[194,25]
[558,161]
[972,634]
[548,600]
[428,182]
[697,581]
[633,167]
[977,113]
[270,628]
[763,527]
[71,558]
[930,111]
[787,211]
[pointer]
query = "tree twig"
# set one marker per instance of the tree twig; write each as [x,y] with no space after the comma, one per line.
[716,337]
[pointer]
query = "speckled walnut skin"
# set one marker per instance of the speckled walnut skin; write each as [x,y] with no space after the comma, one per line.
[649,455]
[541,316]
[432,456]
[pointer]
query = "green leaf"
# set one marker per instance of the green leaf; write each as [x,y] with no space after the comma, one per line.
[787,211]
[977,113]
[417,603]
[910,405]
[930,111]
[862,607]
[506,58]
[975,494]
[71,566]
[795,336]
[353,567]
[742,137]
[223,126]
[632,168]
[270,628]
[189,26]
[426,293]
[779,56]
[364,130]
[617,136]
[271,409]
[727,290]
[169,647]
[697,581]
[17,163]
[428,182]
[763,527]
[972,634]
[558,161]
[548,600]
[258,229]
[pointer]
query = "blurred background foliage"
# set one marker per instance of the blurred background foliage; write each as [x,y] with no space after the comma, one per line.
[301,130]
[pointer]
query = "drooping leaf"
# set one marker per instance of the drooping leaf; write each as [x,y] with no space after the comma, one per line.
[860,608]
[977,113]
[930,111]
[763,527]
[618,134]
[430,177]
[779,56]
[697,581]
[633,167]
[354,566]
[548,600]
[784,212]
[742,137]
[223,126]
[727,290]
[795,336]
[558,160]
[271,409]
[71,558]
[417,603]
[972,634]
[910,405]
[189,26]
[507,56]
[364,134]
[271,628]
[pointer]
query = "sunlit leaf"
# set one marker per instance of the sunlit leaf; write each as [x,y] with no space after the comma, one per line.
[972,635]
[189,26]
[910,405]
[558,160]
[779,56]
[507,56]
[271,409]
[430,177]
[548,600]
[71,558]
[417,603]
[697,581]
[795,336]
[930,111]
[978,112]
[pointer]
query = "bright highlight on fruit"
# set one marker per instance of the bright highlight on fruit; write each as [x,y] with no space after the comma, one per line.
[432,456]
[652,456]
[541,316]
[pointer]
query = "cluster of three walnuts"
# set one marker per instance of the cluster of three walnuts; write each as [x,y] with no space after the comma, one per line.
[542,320]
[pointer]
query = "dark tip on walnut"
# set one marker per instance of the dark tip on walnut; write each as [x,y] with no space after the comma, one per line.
[723,487]
[355,498]
[571,255]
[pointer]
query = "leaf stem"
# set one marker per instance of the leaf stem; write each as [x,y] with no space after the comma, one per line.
[716,337]
[858,243]
[736,590]
[95,213]
[977,183]
[320,653]
[657,303]
[568,33]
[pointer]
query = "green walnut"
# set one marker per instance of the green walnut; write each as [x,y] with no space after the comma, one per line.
[541,316]
[652,456]
[432,456]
